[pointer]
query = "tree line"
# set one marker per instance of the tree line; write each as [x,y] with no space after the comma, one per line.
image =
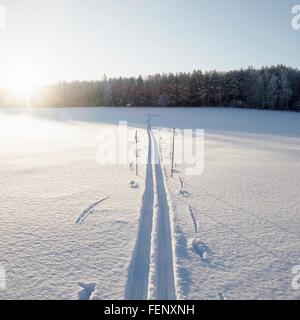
[275,87]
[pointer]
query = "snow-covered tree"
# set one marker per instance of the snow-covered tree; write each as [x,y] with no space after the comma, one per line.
[107,93]
[285,91]
[272,92]
[275,87]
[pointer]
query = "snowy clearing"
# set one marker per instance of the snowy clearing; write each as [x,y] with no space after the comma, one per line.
[74,229]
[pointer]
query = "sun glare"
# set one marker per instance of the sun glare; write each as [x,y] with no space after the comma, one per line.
[23,84]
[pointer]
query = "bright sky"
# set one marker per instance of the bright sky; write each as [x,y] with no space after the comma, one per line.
[83,39]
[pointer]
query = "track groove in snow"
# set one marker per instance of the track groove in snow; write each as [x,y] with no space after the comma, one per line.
[89,210]
[163,269]
[192,212]
[137,282]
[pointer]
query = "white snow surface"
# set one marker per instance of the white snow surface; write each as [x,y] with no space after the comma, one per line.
[74,229]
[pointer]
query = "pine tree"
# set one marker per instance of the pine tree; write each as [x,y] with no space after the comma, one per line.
[196,88]
[107,93]
[272,92]
[140,92]
[285,91]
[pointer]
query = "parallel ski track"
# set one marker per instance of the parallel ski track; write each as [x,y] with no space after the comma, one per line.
[140,269]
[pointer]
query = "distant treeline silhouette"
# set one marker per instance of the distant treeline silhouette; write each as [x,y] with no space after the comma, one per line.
[275,87]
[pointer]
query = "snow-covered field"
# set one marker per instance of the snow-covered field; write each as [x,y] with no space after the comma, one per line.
[74,229]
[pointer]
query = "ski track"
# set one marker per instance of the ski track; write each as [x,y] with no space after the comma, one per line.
[137,283]
[89,210]
[163,268]
[152,262]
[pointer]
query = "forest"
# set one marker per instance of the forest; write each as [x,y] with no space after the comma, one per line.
[275,88]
